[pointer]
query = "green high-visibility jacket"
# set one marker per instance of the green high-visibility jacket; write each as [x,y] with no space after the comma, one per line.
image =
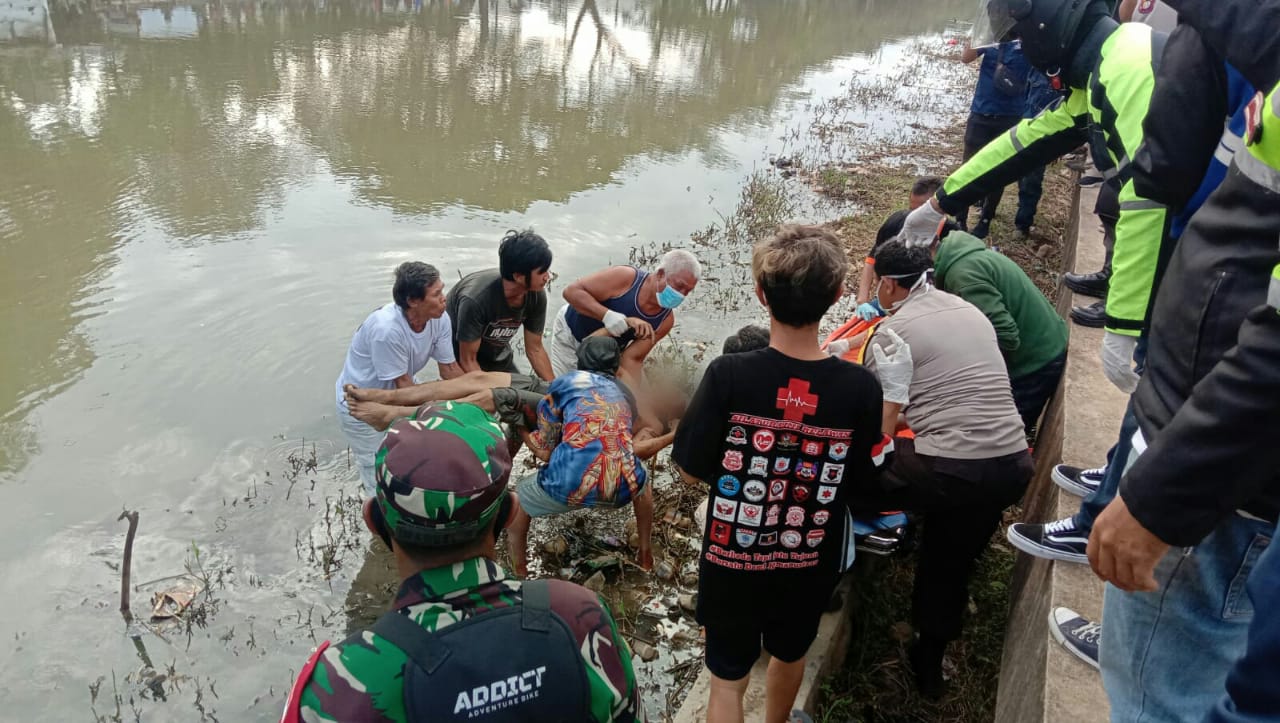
[1108,114]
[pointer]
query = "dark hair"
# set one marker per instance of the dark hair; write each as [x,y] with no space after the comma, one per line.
[522,252]
[890,229]
[904,264]
[800,271]
[599,354]
[413,278]
[926,185]
[749,338]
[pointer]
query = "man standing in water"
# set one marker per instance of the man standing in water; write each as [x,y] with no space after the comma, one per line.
[631,305]
[393,344]
[488,307]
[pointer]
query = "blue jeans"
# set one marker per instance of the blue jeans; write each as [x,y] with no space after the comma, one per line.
[1092,505]
[1252,694]
[1165,654]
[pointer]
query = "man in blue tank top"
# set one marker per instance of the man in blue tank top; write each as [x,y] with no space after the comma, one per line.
[624,302]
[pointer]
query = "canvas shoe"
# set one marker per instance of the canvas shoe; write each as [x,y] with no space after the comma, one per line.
[1077,481]
[1059,540]
[1077,634]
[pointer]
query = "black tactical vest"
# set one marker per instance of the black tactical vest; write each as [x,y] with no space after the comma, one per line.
[514,664]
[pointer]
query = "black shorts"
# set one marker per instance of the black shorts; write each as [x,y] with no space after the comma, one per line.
[733,647]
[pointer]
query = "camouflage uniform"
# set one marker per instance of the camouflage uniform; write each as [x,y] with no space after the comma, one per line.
[361,678]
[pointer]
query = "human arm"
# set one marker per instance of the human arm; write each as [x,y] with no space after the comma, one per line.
[1242,31]
[990,302]
[646,444]
[968,53]
[539,452]
[537,355]
[1191,86]
[633,356]
[889,414]
[587,294]
[866,280]
[468,329]
[442,348]
[1030,144]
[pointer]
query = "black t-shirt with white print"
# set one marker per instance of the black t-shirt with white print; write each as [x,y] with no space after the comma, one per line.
[782,444]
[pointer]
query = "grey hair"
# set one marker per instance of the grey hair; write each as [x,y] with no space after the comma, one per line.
[677,260]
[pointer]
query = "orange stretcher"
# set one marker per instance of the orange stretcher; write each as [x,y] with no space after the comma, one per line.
[850,329]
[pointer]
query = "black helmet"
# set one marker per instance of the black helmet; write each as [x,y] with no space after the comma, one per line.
[1049,29]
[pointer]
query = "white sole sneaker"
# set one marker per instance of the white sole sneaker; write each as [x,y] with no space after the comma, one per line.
[1070,485]
[1031,547]
[1054,627]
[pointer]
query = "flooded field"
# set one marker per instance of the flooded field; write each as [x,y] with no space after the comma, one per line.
[198,205]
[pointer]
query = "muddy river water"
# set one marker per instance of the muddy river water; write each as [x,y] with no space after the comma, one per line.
[199,204]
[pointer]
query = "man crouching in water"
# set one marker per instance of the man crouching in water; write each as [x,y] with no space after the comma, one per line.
[588,430]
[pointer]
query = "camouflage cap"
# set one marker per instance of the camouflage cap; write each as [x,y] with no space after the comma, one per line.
[442,474]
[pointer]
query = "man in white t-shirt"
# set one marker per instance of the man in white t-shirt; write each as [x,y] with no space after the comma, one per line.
[393,344]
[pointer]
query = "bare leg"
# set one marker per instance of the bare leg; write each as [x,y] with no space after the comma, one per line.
[518,540]
[378,416]
[482,399]
[412,396]
[725,705]
[781,686]
[643,506]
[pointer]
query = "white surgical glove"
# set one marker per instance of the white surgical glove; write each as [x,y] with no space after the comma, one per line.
[1117,361]
[616,323]
[839,347]
[894,367]
[921,225]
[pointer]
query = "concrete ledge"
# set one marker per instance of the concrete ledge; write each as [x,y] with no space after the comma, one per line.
[1039,680]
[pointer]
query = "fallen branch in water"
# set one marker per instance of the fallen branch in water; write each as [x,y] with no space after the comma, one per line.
[132,517]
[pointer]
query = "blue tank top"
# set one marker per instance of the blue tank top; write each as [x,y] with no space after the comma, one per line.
[627,303]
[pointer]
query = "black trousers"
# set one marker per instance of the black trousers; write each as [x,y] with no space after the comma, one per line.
[1031,391]
[962,502]
[980,130]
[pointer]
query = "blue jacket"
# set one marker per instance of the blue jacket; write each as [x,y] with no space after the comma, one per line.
[987,98]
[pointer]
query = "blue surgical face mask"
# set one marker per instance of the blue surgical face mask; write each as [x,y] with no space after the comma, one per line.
[669,298]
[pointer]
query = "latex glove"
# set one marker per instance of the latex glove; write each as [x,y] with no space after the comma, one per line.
[839,347]
[870,310]
[894,367]
[1117,361]
[616,323]
[921,225]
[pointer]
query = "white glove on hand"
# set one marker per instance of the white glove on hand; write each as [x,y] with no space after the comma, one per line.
[838,348]
[1117,361]
[921,226]
[616,323]
[894,367]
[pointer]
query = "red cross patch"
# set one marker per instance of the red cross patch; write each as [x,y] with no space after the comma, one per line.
[795,400]
[1253,120]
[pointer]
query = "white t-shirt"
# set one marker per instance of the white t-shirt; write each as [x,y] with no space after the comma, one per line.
[384,348]
[1159,16]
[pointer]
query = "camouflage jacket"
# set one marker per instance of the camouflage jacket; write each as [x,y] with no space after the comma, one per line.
[360,678]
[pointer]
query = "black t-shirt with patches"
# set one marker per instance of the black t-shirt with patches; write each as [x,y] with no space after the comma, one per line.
[782,444]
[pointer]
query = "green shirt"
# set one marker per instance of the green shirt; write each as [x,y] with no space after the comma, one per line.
[1028,328]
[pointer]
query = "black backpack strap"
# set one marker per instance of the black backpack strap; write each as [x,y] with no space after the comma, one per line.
[535,603]
[422,647]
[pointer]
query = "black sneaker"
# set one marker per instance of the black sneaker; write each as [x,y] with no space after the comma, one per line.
[1093,316]
[981,228]
[1059,540]
[1089,180]
[1094,284]
[1077,481]
[1075,633]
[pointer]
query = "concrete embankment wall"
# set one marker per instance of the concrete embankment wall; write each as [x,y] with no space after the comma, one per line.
[25,20]
[1039,680]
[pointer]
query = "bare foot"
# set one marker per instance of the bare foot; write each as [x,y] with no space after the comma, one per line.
[364,394]
[378,416]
